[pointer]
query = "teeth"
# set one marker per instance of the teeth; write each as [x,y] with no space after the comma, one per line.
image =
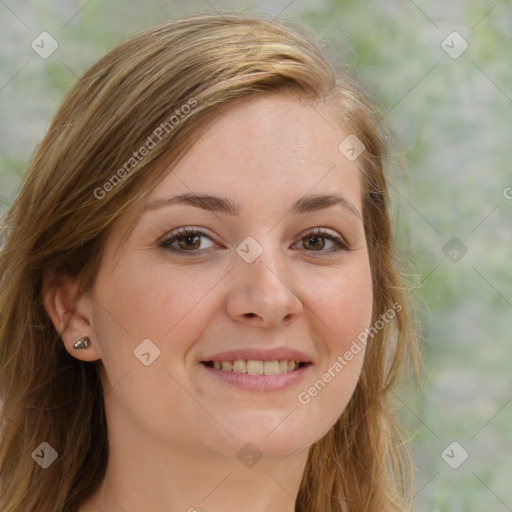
[226,365]
[255,367]
[240,366]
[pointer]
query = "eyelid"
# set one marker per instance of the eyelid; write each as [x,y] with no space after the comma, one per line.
[338,240]
[329,234]
[181,232]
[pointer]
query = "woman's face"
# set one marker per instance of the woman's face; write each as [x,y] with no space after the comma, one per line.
[260,280]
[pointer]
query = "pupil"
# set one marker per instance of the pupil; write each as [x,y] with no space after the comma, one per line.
[189,241]
[311,241]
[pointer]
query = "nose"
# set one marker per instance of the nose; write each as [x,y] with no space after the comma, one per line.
[263,293]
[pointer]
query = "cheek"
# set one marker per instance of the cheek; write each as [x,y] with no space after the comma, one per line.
[170,307]
[342,311]
[344,306]
[166,305]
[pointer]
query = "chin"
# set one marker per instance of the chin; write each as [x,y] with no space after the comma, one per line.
[275,439]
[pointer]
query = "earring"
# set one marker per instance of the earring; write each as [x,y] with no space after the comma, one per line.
[83,343]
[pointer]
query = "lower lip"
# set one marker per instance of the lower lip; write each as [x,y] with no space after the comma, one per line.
[263,383]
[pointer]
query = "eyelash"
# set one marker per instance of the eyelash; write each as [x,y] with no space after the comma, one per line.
[184,232]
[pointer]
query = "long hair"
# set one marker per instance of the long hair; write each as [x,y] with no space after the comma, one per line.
[165,85]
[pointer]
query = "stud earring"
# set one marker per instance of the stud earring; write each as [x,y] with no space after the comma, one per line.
[83,343]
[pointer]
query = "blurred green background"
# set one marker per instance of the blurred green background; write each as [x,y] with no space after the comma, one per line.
[451,110]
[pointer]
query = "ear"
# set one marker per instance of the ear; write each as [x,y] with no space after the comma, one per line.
[71,314]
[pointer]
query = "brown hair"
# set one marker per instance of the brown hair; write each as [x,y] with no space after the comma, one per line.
[76,187]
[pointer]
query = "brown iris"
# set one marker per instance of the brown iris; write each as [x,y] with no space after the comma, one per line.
[189,239]
[315,245]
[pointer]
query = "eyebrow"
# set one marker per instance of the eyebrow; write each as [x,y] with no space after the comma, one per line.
[305,204]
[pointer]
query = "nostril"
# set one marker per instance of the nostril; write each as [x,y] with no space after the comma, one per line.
[250,314]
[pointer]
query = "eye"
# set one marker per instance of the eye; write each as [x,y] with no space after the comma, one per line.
[189,240]
[185,240]
[315,241]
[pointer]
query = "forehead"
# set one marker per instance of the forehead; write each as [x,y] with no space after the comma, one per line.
[267,151]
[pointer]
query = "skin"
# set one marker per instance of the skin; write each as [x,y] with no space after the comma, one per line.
[175,430]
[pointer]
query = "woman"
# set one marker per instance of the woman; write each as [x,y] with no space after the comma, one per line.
[199,304]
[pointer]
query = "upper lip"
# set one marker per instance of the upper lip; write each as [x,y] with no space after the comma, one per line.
[260,354]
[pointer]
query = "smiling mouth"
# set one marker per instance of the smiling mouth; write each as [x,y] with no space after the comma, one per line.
[255,367]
